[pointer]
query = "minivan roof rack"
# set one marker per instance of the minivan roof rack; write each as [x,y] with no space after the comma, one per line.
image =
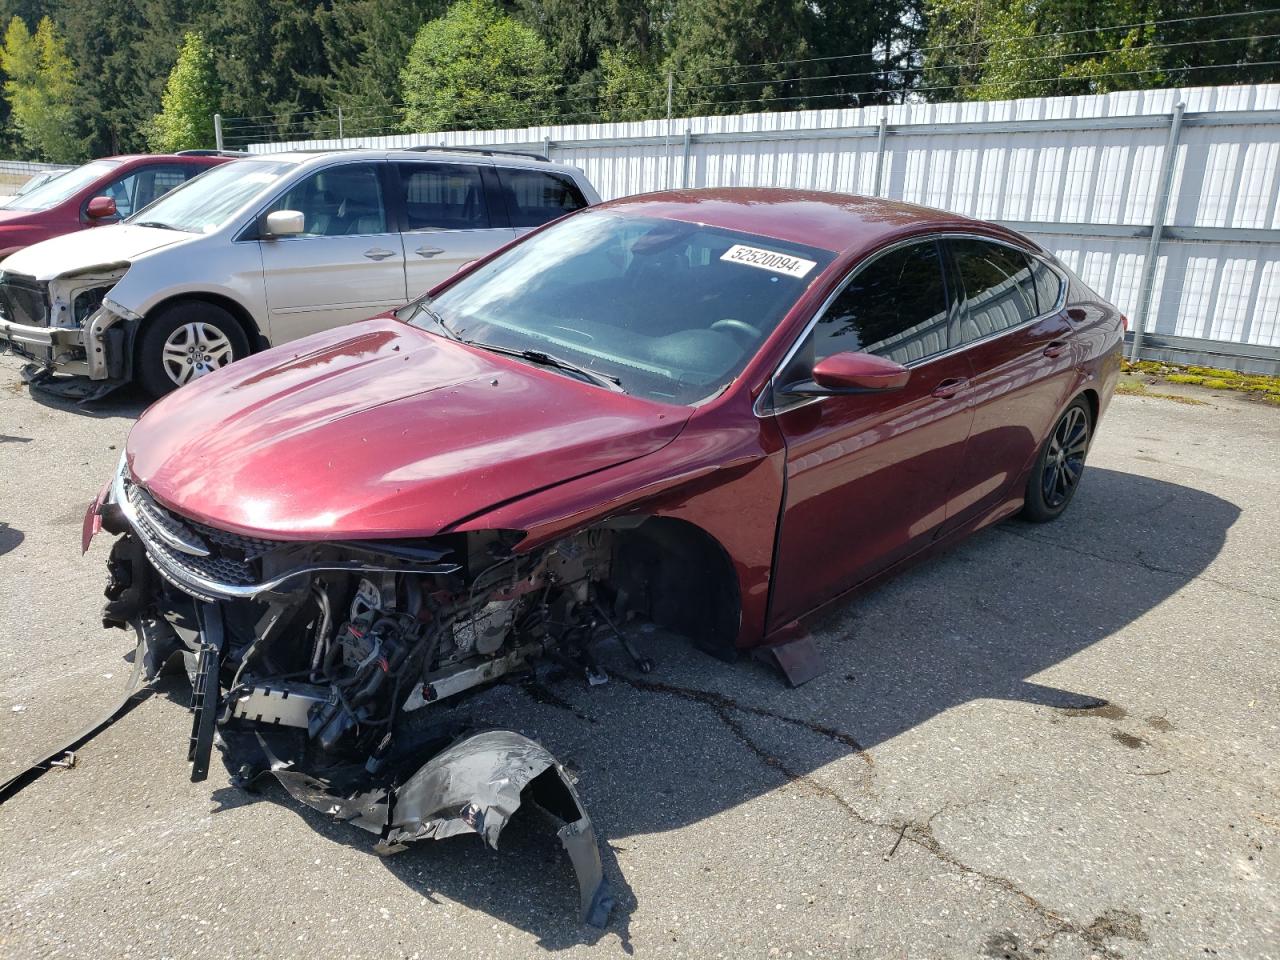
[483,151]
[212,153]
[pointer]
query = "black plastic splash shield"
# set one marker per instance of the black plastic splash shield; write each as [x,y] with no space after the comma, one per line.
[474,785]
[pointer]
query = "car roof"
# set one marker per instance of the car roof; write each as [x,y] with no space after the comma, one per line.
[197,158]
[839,222]
[458,155]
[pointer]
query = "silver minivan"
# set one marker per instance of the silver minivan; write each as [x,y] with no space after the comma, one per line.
[260,251]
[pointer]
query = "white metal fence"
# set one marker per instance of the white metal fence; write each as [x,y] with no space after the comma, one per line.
[1165,201]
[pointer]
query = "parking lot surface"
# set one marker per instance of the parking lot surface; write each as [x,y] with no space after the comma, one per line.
[1054,741]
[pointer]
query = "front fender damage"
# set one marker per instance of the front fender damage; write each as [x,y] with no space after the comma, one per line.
[474,785]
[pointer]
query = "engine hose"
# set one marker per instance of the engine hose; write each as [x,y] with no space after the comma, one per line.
[321,646]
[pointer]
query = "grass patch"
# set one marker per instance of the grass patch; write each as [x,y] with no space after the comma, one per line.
[1131,387]
[1259,386]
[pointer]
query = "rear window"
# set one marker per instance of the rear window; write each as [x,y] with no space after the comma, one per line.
[535,196]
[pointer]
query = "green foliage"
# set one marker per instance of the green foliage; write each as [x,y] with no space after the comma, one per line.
[191,98]
[1000,49]
[476,68]
[40,90]
[630,87]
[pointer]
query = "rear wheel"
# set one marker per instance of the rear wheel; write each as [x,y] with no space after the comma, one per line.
[1058,468]
[185,341]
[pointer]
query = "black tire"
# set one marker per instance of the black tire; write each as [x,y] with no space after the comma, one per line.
[1056,475]
[212,336]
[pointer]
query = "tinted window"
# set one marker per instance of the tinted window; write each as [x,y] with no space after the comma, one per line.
[896,307]
[443,196]
[534,197]
[997,285]
[338,201]
[1048,285]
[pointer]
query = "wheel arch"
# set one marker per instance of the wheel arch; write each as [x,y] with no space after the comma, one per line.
[248,324]
[682,578]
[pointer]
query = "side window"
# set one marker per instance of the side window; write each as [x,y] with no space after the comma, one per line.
[443,196]
[1048,285]
[140,186]
[895,307]
[998,288]
[534,197]
[338,201]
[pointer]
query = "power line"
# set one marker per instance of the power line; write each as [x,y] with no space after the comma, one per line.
[978,43]
[979,63]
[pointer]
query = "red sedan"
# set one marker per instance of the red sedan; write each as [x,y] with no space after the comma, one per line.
[97,193]
[716,411]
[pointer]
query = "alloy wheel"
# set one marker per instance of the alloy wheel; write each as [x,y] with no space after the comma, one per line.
[1064,460]
[195,349]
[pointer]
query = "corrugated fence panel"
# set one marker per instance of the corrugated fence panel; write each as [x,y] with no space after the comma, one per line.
[1081,175]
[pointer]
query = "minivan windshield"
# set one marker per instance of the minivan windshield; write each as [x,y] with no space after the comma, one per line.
[60,188]
[204,203]
[669,310]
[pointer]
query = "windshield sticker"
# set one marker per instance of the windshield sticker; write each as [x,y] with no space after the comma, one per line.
[768,260]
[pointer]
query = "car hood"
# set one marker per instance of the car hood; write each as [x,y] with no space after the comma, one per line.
[87,249]
[379,429]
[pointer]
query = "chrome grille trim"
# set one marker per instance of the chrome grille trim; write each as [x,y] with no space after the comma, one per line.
[230,578]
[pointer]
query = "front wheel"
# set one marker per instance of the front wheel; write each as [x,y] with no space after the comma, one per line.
[1058,468]
[185,341]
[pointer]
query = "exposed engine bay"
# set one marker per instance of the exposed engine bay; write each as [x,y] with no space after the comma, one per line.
[336,667]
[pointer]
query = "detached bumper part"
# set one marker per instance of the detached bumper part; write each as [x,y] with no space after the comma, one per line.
[474,785]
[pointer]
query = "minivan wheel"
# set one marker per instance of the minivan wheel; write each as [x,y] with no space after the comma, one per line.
[185,341]
[1058,469]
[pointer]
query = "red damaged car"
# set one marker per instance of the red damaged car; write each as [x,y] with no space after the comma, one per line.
[716,411]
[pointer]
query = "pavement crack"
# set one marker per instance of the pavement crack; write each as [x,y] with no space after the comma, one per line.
[1139,561]
[724,706]
[921,835]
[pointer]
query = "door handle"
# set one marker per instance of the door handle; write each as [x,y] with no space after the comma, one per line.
[1055,349]
[428,251]
[377,253]
[949,388]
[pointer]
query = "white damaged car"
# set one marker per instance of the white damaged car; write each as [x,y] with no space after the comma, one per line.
[260,251]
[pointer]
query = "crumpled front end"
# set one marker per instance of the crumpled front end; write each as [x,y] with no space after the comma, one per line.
[335,666]
[68,325]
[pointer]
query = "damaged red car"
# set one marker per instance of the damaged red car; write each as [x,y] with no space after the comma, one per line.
[715,411]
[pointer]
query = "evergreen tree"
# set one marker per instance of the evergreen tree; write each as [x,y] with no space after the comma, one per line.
[190,101]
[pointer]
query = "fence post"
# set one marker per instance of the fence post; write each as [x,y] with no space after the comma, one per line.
[1147,287]
[339,123]
[217,131]
[684,163]
[546,146]
[880,134]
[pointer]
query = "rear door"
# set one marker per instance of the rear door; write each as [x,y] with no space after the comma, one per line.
[349,262]
[868,475]
[534,197]
[450,218]
[1019,344]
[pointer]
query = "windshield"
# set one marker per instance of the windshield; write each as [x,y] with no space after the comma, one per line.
[671,310]
[60,188]
[204,203]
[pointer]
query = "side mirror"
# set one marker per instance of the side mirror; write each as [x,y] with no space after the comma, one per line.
[100,208]
[285,223]
[851,372]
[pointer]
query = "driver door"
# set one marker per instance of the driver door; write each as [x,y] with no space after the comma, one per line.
[347,265]
[868,475]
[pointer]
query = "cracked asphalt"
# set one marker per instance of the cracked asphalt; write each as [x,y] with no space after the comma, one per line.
[1053,741]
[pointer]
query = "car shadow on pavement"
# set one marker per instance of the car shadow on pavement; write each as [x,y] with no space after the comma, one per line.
[10,537]
[669,750]
[127,401]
